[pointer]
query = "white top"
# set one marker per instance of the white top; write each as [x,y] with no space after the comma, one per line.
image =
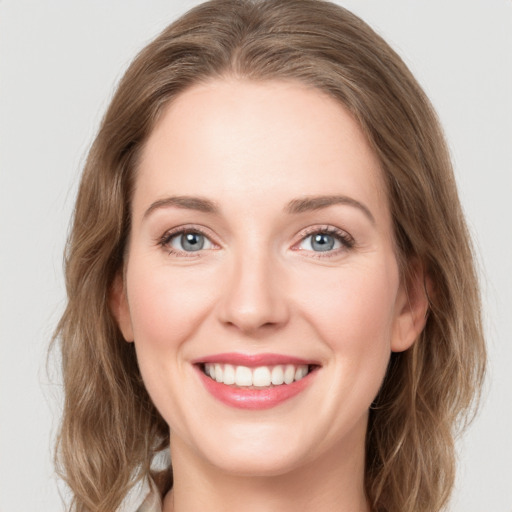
[143,497]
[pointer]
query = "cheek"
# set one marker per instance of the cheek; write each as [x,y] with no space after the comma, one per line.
[165,306]
[353,313]
[352,301]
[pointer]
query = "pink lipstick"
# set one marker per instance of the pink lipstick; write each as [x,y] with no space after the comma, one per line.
[258,381]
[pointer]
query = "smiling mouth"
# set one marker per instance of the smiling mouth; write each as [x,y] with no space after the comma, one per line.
[257,381]
[257,377]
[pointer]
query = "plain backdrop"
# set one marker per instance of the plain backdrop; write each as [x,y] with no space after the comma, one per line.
[59,63]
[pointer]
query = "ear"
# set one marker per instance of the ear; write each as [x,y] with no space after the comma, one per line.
[118,303]
[411,307]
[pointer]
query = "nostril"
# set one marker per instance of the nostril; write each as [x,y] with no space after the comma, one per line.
[253,328]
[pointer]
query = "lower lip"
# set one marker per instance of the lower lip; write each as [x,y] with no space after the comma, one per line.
[254,398]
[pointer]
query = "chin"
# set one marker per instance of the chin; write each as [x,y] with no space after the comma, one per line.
[248,463]
[246,449]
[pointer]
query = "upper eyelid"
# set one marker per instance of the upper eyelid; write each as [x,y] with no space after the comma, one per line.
[321,228]
[188,228]
[331,230]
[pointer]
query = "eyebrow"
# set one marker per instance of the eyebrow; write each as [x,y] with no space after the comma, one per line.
[311,203]
[295,206]
[186,202]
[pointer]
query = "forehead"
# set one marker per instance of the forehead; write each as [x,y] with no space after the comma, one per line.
[250,139]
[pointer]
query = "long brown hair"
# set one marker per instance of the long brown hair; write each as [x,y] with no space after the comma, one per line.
[110,429]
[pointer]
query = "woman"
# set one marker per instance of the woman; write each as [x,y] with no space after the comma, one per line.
[269,272]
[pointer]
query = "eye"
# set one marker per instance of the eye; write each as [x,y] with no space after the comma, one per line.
[326,240]
[186,241]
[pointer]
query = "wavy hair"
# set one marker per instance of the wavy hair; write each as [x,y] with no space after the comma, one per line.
[110,429]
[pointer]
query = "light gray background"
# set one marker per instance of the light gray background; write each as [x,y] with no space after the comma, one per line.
[59,62]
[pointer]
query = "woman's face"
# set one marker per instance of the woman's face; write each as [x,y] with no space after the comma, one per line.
[261,251]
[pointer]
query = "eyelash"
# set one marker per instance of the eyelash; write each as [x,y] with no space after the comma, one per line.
[166,238]
[346,240]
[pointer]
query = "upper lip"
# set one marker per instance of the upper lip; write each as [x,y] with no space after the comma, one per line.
[253,360]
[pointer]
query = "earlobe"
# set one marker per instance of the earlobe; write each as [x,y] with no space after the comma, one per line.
[118,303]
[412,308]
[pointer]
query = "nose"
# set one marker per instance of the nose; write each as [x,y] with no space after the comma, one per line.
[254,297]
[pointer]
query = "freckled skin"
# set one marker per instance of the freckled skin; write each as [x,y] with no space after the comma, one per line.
[259,286]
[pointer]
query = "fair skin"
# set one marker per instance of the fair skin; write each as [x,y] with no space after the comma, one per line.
[277,187]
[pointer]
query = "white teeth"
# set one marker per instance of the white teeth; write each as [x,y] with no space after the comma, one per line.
[300,372]
[219,373]
[289,373]
[243,376]
[229,374]
[262,376]
[277,375]
[209,369]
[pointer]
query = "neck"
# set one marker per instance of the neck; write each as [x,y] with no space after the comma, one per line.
[335,482]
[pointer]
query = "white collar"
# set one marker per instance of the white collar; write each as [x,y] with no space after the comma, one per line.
[142,497]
